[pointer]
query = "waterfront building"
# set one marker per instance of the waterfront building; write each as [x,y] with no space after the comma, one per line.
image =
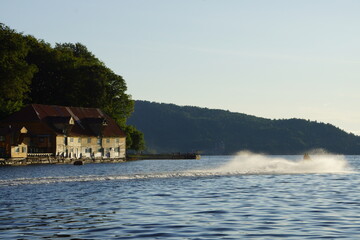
[13,142]
[69,132]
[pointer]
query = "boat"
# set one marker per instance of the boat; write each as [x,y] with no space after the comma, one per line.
[78,163]
[306,156]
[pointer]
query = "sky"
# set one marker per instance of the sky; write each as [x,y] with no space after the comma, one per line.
[275,59]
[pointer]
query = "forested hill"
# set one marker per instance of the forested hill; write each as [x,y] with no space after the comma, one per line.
[172,128]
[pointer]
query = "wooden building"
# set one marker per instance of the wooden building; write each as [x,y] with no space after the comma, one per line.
[13,142]
[70,132]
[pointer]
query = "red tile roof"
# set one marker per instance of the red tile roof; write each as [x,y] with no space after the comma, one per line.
[83,118]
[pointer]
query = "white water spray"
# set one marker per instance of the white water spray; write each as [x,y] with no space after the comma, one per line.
[249,163]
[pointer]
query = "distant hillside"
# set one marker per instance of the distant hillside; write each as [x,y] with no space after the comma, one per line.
[172,128]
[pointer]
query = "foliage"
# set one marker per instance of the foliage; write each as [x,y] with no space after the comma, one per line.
[31,71]
[134,138]
[71,75]
[15,72]
[171,128]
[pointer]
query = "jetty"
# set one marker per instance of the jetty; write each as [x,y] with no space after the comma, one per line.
[167,156]
[48,158]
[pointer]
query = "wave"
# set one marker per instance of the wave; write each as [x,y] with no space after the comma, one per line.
[244,163]
[88,178]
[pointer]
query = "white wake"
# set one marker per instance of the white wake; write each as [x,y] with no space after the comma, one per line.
[240,164]
[250,163]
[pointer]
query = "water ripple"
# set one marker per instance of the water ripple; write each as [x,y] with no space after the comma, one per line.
[191,204]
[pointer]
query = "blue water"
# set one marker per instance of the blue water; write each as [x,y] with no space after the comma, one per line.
[218,197]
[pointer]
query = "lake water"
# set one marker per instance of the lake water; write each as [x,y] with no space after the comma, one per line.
[219,197]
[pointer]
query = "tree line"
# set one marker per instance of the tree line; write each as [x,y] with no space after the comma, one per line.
[172,128]
[68,74]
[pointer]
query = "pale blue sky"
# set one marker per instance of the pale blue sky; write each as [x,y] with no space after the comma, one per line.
[269,58]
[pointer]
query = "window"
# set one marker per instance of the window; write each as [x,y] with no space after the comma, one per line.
[2,138]
[24,149]
[89,140]
[71,139]
[117,140]
[17,149]
[79,140]
[41,139]
[108,140]
[99,141]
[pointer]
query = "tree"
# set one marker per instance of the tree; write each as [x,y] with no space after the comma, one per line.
[50,83]
[116,102]
[134,138]
[31,71]
[15,72]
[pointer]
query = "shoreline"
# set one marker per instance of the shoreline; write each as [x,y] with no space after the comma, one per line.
[53,160]
[48,159]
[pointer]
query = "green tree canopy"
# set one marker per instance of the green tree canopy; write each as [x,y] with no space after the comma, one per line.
[31,71]
[134,138]
[15,72]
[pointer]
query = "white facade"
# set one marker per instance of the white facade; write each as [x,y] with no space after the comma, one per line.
[91,147]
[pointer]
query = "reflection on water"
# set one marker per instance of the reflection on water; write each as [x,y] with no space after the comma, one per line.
[214,198]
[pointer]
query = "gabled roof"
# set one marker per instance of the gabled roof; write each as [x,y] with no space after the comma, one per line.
[10,129]
[81,119]
[61,120]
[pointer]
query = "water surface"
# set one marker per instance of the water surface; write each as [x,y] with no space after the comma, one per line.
[217,197]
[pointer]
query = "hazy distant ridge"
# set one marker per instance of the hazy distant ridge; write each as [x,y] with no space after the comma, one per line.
[172,128]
